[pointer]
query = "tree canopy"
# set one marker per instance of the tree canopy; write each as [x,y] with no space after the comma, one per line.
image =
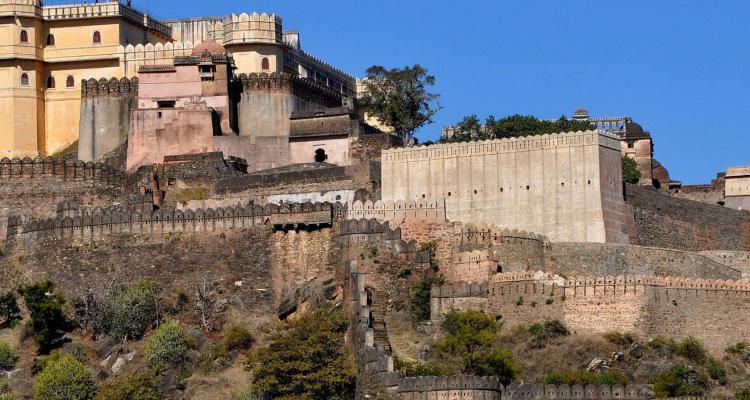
[469,128]
[399,98]
[630,173]
[305,359]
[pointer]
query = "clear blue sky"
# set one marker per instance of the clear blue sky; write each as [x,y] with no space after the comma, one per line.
[680,68]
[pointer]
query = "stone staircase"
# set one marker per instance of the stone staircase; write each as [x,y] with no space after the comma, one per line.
[377,312]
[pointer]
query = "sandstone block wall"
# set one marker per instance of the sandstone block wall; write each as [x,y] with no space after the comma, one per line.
[105,116]
[566,186]
[715,311]
[602,259]
[33,187]
[667,221]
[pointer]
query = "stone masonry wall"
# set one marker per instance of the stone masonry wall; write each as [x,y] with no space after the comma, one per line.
[33,187]
[602,259]
[667,221]
[715,311]
[565,185]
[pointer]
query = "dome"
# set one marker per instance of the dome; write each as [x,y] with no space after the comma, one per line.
[210,46]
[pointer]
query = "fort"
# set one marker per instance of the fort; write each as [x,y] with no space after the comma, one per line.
[175,150]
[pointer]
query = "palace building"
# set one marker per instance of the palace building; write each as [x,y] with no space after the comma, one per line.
[47,51]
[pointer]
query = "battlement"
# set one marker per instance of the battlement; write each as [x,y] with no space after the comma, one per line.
[516,391]
[670,282]
[490,234]
[91,223]
[440,383]
[497,146]
[67,169]
[398,211]
[21,8]
[123,87]
[104,9]
[285,82]
[252,28]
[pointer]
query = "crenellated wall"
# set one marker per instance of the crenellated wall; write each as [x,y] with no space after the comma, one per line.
[91,224]
[566,186]
[105,115]
[398,211]
[715,311]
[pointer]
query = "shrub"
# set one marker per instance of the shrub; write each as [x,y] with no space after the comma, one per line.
[742,394]
[5,392]
[10,313]
[167,346]
[8,357]
[495,362]
[420,303]
[662,345]
[619,338]
[681,380]
[141,386]
[416,368]
[237,338]
[546,332]
[692,349]
[65,379]
[305,359]
[46,311]
[737,348]
[716,371]
[127,312]
[246,394]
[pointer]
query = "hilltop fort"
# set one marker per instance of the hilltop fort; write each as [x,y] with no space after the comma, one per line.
[218,148]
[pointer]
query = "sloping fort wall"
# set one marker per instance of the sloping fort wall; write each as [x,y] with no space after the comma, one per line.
[566,186]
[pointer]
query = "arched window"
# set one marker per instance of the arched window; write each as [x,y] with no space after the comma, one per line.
[24,79]
[50,40]
[264,64]
[97,37]
[24,36]
[51,82]
[320,155]
[70,82]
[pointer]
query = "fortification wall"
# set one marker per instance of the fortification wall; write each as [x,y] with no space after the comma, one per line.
[267,102]
[514,250]
[516,391]
[438,233]
[667,221]
[471,266]
[398,211]
[715,311]
[105,116]
[564,185]
[32,187]
[595,259]
[739,260]
[98,222]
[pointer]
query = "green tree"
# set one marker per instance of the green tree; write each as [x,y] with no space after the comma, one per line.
[167,347]
[681,380]
[420,302]
[305,360]
[140,386]
[399,98]
[469,343]
[742,394]
[46,310]
[512,126]
[127,312]
[10,313]
[65,378]
[630,173]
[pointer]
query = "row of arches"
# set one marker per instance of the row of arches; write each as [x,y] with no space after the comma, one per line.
[96,38]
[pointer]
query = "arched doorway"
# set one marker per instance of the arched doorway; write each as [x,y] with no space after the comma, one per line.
[320,155]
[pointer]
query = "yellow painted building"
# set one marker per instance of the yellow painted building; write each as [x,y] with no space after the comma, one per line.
[47,50]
